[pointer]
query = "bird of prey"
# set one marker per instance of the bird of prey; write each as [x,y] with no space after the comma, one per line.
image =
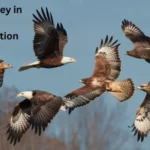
[140,41]
[107,70]
[49,42]
[36,110]
[141,125]
[3,66]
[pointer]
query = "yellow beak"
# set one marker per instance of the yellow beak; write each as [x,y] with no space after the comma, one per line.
[80,81]
[74,61]
[142,86]
[11,66]
[6,66]
[19,95]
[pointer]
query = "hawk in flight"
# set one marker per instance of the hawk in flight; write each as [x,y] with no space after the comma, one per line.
[141,125]
[140,41]
[107,69]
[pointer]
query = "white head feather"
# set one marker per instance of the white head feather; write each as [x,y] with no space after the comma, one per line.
[26,94]
[66,60]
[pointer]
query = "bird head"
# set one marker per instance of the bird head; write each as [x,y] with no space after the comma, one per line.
[134,53]
[66,60]
[82,81]
[6,66]
[145,87]
[128,52]
[26,94]
[85,81]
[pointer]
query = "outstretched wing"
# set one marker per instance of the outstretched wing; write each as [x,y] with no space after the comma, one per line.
[83,96]
[63,39]
[141,125]
[107,60]
[48,40]
[134,33]
[43,111]
[19,121]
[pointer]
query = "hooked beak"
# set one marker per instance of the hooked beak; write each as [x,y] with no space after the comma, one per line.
[126,53]
[74,61]
[81,81]
[6,66]
[141,86]
[10,66]
[19,95]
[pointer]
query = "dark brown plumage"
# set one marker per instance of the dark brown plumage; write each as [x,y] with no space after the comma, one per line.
[3,66]
[49,42]
[107,70]
[37,110]
[141,125]
[140,41]
[83,96]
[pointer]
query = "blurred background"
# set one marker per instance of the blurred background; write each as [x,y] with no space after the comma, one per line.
[102,124]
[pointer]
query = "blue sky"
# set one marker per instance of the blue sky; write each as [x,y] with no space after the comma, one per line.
[86,22]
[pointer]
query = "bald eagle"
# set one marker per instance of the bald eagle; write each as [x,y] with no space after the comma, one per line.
[36,110]
[140,41]
[3,67]
[49,42]
[107,70]
[141,125]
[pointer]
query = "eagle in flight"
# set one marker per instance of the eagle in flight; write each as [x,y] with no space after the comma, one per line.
[36,110]
[141,125]
[140,41]
[107,69]
[49,42]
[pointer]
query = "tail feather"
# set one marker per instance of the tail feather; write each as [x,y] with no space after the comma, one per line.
[125,89]
[66,104]
[31,65]
[63,108]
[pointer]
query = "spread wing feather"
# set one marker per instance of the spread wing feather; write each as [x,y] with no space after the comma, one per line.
[63,39]
[19,121]
[46,36]
[82,96]
[134,33]
[107,60]
[37,113]
[141,125]
[43,113]
[48,40]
